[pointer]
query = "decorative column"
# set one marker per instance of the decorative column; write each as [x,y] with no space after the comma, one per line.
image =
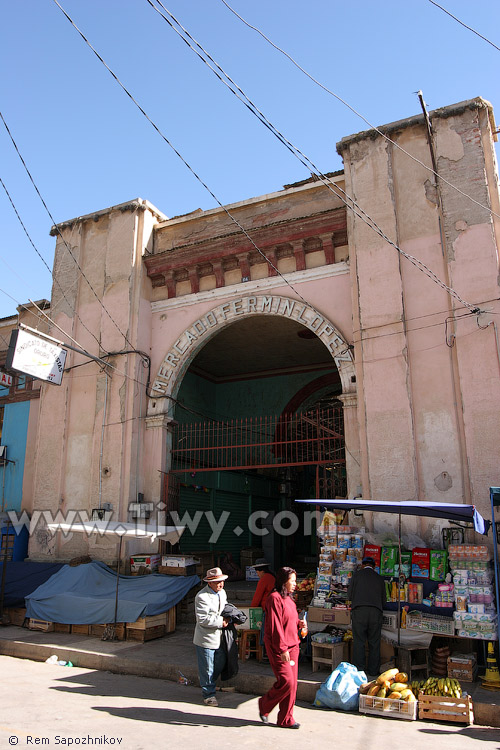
[157,447]
[352,444]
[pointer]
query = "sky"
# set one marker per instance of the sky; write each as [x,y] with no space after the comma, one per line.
[87,145]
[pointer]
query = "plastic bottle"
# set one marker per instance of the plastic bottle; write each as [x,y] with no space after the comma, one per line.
[182,680]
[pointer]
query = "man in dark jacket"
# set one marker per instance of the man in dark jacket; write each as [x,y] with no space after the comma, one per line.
[366,593]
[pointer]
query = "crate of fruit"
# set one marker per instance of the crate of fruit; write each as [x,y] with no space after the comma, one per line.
[443,708]
[389,707]
[430,623]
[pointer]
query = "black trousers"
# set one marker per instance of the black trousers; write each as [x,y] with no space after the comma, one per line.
[366,627]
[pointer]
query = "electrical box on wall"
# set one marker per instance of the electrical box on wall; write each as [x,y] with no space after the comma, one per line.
[3,454]
[101,514]
[140,510]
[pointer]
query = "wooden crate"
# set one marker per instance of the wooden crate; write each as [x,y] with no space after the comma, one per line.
[80,629]
[17,615]
[168,570]
[142,623]
[59,627]
[440,708]
[98,630]
[34,624]
[145,634]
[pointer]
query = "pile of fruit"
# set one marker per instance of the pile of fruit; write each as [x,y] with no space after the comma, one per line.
[438,686]
[306,584]
[391,684]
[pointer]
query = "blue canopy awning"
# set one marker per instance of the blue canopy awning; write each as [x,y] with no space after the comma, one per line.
[450,511]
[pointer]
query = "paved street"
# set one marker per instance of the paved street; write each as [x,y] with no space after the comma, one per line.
[49,705]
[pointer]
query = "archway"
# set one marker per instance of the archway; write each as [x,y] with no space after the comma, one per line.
[213,362]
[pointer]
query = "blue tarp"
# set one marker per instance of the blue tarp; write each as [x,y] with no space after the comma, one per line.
[85,595]
[22,578]
[450,511]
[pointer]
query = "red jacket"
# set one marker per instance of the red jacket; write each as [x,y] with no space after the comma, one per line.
[281,630]
[264,588]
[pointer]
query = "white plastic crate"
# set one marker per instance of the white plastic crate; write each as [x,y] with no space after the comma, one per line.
[392,709]
[390,620]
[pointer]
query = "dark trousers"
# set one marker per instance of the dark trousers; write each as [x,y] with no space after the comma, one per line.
[366,627]
[284,689]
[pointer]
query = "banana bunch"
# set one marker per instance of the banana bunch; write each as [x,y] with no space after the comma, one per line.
[445,686]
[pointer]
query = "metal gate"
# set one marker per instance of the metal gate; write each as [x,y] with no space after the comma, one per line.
[312,438]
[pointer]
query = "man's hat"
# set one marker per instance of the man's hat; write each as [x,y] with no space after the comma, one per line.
[214,574]
[368,561]
[261,563]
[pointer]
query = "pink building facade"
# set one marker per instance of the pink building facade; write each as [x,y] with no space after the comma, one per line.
[398,292]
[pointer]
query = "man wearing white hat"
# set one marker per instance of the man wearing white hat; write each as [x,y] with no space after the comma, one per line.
[208,605]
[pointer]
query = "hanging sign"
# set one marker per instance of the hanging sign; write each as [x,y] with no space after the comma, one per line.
[35,356]
[5,379]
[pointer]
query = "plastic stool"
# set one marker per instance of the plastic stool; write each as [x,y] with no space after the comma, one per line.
[250,644]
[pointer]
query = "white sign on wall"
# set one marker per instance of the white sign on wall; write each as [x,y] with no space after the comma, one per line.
[5,379]
[43,360]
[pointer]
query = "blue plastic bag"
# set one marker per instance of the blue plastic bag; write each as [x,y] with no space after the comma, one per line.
[341,688]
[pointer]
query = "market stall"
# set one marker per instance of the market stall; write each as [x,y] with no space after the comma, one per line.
[446,592]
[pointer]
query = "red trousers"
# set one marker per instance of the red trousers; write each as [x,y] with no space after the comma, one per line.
[284,689]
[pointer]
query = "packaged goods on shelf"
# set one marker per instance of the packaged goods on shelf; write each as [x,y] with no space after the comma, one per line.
[420,562]
[388,559]
[438,564]
[473,552]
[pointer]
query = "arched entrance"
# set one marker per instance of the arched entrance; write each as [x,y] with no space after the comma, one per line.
[257,421]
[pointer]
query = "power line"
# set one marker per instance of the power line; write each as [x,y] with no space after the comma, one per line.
[58,230]
[355,111]
[339,192]
[169,143]
[45,263]
[461,23]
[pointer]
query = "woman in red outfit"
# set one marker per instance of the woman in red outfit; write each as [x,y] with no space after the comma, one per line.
[265,584]
[282,646]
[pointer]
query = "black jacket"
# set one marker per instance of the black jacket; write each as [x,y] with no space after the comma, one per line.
[229,640]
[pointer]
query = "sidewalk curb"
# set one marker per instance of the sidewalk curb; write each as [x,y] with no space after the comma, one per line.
[485,714]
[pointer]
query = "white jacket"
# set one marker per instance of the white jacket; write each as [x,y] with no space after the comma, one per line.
[208,606]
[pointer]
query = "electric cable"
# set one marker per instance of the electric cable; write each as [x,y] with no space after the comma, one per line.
[170,144]
[421,266]
[355,111]
[59,231]
[461,23]
[45,264]
[339,192]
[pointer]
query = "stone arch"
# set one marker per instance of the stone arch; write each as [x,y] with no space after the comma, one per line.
[177,360]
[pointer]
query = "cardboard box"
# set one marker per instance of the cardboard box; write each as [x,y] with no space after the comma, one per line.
[251,573]
[150,562]
[438,566]
[254,618]
[334,616]
[178,561]
[462,667]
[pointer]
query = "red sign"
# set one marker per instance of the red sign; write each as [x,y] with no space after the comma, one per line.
[5,379]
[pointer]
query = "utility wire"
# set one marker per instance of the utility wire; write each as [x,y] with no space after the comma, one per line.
[45,264]
[461,23]
[169,143]
[339,192]
[358,114]
[59,231]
